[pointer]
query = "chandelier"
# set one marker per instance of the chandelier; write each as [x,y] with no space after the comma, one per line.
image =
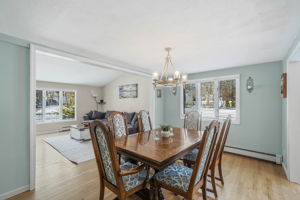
[165,79]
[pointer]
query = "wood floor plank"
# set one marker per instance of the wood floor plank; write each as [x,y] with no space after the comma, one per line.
[245,179]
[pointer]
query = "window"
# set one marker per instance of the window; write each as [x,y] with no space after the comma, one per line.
[214,98]
[55,105]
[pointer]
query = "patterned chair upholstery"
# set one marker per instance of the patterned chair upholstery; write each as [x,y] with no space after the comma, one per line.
[119,125]
[130,181]
[179,177]
[119,128]
[133,180]
[144,120]
[216,160]
[191,156]
[126,176]
[192,120]
[105,156]
[176,175]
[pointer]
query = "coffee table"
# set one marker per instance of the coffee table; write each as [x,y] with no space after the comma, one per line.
[80,132]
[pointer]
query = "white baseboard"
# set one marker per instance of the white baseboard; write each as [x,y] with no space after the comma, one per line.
[253,154]
[285,170]
[46,132]
[14,192]
[52,131]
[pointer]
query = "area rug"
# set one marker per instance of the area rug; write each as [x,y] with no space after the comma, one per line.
[73,150]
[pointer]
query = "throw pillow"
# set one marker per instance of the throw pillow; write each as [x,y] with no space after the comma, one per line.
[98,115]
[134,119]
[129,116]
[90,115]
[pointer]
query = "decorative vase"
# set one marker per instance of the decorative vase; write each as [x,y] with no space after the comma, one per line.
[165,133]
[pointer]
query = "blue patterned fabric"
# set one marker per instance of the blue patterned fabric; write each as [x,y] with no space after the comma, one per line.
[192,156]
[179,176]
[145,120]
[119,126]
[124,159]
[205,154]
[133,180]
[192,120]
[176,175]
[105,155]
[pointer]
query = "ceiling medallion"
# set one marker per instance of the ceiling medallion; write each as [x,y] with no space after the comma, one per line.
[166,79]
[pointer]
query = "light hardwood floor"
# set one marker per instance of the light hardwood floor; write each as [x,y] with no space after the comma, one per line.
[245,179]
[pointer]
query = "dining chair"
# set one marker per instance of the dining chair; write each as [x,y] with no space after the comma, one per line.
[123,180]
[183,180]
[144,121]
[118,125]
[192,120]
[216,160]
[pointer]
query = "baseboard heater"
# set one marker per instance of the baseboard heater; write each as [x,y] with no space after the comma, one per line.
[254,154]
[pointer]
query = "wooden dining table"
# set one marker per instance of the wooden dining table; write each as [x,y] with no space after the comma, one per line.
[156,151]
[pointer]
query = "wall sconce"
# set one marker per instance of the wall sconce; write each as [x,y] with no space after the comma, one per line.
[173,90]
[250,84]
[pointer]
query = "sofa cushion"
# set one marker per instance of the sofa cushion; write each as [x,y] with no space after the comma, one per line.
[129,116]
[134,119]
[108,113]
[98,115]
[90,115]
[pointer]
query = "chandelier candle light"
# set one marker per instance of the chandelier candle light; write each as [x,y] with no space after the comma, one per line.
[168,80]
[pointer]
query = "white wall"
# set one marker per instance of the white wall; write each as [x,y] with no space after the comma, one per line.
[85,103]
[293,118]
[143,102]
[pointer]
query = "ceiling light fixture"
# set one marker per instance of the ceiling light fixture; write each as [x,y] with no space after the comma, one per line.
[168,80]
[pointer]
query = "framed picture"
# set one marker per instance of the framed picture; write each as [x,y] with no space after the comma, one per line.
[158,93]
[128,91]
[283,85]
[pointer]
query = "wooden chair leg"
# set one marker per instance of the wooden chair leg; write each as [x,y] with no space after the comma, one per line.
[220,172]
[213,182]
[102,189]
[204,196]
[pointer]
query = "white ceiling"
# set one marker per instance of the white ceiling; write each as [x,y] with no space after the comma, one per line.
[204,34]
[53,68]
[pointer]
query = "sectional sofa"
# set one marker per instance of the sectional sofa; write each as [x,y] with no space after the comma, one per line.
[131,117]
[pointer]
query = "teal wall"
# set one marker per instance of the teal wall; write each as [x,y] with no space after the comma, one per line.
[14,114]
[260,127]
[159,110]
[284,104]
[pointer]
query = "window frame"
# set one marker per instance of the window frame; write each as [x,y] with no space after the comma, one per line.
[216,81]
[60,105]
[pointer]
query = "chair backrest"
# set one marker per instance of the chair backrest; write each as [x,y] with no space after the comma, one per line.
[205,153]
[144,121]
[192,120]
[118,124]
[217,150]
[106,154]
[224,139]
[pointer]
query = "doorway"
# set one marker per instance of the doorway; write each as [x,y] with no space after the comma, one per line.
[34,50]
[293,128]
[292,116]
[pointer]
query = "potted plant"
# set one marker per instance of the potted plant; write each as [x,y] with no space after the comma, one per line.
[165,130]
